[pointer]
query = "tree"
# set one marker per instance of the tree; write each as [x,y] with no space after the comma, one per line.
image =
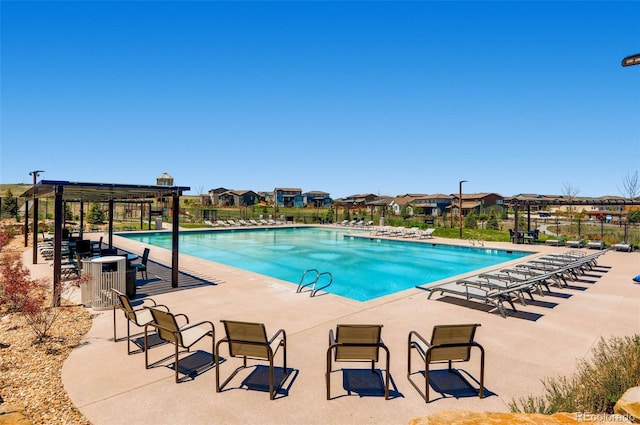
[96,215]
[571,192]
[492,222]
[330,215]
[404,212]
[10,205]
[471,221]
[630,188]
[68,214]
[633,216]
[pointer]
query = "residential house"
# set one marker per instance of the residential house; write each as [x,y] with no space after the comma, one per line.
[238,198]
[401,202]
[316,198]
[214,196]
[288,197]
[475,202]
[431,205]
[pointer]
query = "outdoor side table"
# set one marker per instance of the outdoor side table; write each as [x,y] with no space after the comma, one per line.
[97,293]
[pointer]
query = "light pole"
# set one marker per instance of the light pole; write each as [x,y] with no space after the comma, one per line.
[460,206]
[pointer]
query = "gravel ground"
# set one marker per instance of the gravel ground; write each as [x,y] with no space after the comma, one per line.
[30,373]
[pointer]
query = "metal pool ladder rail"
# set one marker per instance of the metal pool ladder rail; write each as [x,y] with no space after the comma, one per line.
[314,278]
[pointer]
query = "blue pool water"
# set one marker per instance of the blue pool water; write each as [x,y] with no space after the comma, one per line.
[362,269]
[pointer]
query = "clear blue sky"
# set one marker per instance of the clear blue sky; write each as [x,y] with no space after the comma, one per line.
[343,97]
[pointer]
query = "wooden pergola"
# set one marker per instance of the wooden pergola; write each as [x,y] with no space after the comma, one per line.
[111,193]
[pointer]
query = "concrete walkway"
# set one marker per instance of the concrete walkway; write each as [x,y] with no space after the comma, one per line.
[111,387]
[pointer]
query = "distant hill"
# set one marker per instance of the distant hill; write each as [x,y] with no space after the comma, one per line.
[16,189]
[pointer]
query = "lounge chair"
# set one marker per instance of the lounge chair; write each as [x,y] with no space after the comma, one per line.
[222,223]
[411,233]
[486,280]
[426,234]
[249,340]
[139,316]
[209,223]
[554,242]
[233,223]
[449,343]
[184,336]
[255,223]
[596,245]
[491,297]
[623,246]
[577,243]
[356,343]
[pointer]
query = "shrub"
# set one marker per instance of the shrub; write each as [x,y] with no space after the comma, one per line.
[470,221]
[596,385]
[6,234]
[492,223]
[20,293]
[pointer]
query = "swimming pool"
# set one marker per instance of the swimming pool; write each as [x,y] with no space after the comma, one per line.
[363,268]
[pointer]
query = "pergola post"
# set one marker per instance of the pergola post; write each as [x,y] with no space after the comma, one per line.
[110,203]
[81,219]
[35,230]
[26,223]
[175,237]
[515,224]
[58,212]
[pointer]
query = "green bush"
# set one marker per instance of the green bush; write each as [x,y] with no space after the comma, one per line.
[596,385]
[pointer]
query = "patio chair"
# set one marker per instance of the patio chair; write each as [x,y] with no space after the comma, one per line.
[184,336]
[96,246]
[249,340]
[139,316]
[449,343]
[141,267]
[356,343]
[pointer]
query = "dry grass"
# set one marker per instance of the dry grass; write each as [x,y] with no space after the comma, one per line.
[597,384]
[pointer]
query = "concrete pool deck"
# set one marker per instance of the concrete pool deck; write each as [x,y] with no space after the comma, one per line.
[110,387]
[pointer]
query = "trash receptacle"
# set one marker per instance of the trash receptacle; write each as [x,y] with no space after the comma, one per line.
[131,283]
[159,223]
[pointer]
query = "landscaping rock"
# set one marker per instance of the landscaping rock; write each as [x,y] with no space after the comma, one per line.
[629,405]
[12,414]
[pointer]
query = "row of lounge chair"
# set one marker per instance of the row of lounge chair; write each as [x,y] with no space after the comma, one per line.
[356,223]
[240,222]
[403,232]
[591,244]
[249,340]
[504,286]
